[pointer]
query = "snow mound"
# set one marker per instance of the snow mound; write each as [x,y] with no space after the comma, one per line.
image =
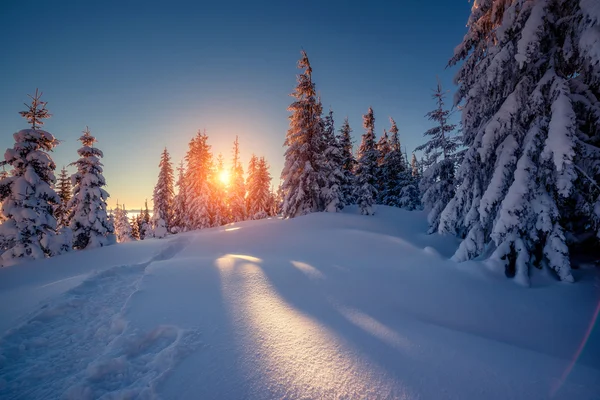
[330,305]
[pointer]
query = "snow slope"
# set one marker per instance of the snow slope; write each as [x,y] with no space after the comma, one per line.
[322,306]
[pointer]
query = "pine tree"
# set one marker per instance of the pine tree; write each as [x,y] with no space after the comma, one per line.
[438,182]
[303,171]
[259,193]
[28,200]
[197,180]
[121,224]
[88,218]
[139,221]
[348,162]
[237,189]
[366,172]
[64,191]
[414,167]
[332,196]
[180,210]
[383,148]
[164,192]
[392,170]
[135,228]
[529,86]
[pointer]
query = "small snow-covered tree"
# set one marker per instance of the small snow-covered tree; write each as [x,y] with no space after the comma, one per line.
[144,222]
[135,228]
[64,190]
[332,196]
[348,162]
[437,183]
[28,200]
[391,168]
[302,173]
[366,171]
[164,191]
[180,203]
[88,218]
[237,189]
[259,193]
[383,148]
[122,225]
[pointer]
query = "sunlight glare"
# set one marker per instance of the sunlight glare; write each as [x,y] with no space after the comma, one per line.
[224,177]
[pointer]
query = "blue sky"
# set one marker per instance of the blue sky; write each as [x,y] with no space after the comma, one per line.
[144,76]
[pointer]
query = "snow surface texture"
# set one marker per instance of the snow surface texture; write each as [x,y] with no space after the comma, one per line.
[322,306]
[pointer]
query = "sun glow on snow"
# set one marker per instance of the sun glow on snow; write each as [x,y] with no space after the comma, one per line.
[224,177]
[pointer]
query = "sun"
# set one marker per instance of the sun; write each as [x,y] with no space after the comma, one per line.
[224,177]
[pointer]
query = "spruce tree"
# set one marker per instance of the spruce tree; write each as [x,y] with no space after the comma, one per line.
[303,171]
[237,189]
[332,196]
[438,182]
[64,190]
[392,170]
[135,228]
[88,218]
[259,192]
[180,210]
[348,162]
[383,148]
[28,200]
[121,224]
[164,191]
[197,179]
[529,86]
[367,169]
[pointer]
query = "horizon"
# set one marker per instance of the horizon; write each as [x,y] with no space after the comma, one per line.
[142,83]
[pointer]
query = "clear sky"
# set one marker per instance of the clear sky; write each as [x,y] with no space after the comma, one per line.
[146,75]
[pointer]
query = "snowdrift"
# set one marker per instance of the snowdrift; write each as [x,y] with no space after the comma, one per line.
[322,306]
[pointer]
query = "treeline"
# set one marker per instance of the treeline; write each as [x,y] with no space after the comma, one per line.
[322,173]
[204,195]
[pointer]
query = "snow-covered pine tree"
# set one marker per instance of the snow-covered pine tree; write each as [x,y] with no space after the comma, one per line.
[529,86]
[392,170]
[28,200]
[197,179]
[250,183]
[303,171]
[139,220]
[383,148]
[414,167]
[164,191]
[348,162]
[87,217]
[259,193]
[237,189]
[332,196]
[122,225]
[438,181]
[180,206]
[135,228]
[64,190]
[366,171]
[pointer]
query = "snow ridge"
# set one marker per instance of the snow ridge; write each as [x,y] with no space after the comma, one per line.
[81,347]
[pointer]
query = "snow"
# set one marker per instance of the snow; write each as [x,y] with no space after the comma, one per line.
[329,305]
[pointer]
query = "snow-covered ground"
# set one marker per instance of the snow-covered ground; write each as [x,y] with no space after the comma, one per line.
[322,306]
